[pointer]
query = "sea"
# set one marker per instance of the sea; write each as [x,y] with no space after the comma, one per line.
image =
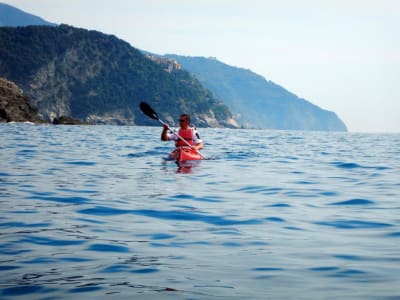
[97,212]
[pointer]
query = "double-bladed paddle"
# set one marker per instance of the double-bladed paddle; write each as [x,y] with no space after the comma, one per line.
[148,111]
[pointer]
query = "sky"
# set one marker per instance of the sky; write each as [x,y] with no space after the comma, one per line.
[341,55]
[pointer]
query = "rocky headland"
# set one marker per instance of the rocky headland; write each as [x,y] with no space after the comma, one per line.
[15,106]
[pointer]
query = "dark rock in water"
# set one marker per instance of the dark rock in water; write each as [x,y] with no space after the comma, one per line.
[66,120]
[15,106]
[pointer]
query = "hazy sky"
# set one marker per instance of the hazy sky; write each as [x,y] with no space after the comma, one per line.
[342,55]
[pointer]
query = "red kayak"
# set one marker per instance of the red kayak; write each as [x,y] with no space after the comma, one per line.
[185,153]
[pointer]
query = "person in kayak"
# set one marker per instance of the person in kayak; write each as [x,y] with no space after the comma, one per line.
[189,134]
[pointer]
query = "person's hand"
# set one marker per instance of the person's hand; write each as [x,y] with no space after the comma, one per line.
[166,127]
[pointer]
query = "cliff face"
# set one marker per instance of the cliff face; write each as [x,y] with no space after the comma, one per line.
[14,105]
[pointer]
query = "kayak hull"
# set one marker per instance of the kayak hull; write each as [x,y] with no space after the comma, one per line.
[181,154]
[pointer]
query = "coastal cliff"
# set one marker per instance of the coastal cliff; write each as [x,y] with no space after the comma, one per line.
[15,106]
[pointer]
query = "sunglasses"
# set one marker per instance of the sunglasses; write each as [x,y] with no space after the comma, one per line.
[182,120]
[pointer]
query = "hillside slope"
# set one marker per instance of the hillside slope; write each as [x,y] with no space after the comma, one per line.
[100,79]
[256,102]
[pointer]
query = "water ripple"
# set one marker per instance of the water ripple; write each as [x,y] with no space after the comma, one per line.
[86,288]
[108,248]
[145,271]
[22,290]
[179,197]
[260,189]
[80,163]
[354,202]
[351,165]
[23,224]
[279,205]
[69,200]
[50,241]
[169,215]
[394,234]
[353,224]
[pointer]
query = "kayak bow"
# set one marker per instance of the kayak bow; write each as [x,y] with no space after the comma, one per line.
[181,154]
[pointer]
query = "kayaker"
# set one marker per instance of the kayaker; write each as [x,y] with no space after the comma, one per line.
[190,134]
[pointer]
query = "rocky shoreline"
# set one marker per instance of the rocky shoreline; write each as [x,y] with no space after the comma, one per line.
[66,120]
[15,107]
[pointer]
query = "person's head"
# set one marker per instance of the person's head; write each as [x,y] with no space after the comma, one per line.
[184,121]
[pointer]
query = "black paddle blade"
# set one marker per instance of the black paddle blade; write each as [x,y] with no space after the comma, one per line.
[148,111]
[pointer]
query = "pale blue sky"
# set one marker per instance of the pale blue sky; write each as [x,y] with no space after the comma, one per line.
[342,55]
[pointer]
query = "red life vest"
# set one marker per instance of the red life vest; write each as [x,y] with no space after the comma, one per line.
[187,135]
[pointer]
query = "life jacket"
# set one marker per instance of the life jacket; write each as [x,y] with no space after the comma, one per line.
[187,135]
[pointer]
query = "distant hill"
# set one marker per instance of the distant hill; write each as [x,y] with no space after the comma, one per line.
[256,102]
[101,79]
[13,17]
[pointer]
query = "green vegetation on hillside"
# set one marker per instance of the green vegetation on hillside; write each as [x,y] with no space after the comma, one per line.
[99,78]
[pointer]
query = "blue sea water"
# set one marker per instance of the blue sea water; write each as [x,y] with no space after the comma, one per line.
[95,212]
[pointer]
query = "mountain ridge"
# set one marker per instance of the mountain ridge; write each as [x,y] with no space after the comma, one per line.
[256,102]
[12,16]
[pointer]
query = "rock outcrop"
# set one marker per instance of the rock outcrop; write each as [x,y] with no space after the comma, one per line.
[66,120]
[15,106]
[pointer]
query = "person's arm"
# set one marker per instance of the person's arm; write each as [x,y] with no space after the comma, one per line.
[197,140]
[199,146]
[164,133]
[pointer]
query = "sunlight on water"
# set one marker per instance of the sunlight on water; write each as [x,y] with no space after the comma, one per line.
[97,212]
